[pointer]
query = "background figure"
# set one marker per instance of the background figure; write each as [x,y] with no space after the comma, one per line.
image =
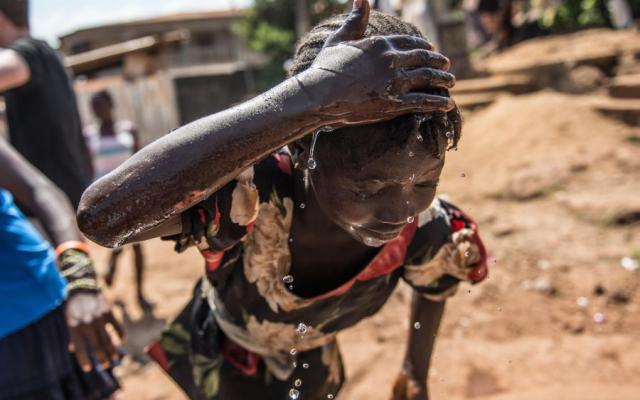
[42,115]
[48,310]
[490,23]
[111,143]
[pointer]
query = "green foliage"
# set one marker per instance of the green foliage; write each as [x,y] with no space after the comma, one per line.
[576,14]
[270,28]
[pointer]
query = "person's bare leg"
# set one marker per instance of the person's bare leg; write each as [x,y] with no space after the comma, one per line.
[113,262]
[139,265]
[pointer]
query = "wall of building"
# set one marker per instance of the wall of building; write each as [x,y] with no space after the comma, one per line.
[148,102]
[200,96]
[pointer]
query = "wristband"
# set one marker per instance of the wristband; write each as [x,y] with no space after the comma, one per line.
[72,244]
[83,284]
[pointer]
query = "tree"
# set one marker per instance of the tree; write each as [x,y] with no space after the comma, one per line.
[270,28]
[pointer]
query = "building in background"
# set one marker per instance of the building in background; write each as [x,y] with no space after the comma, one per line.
[163,72]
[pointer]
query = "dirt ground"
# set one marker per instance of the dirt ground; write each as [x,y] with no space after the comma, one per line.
[554,186]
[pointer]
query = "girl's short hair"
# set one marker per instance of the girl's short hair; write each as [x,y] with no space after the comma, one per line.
[437,128]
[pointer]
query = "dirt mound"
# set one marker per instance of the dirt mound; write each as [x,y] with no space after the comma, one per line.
[590,46]
[525,147]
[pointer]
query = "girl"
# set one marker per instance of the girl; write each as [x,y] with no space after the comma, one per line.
[43,311]
[302,242]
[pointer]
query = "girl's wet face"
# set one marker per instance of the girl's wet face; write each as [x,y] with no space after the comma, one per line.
[375,200]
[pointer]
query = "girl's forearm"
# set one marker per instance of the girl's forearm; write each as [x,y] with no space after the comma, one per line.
[30,187]
[186,166]
[422,337]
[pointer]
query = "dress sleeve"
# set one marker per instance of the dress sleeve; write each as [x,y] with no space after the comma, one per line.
[222,220]
[445,250]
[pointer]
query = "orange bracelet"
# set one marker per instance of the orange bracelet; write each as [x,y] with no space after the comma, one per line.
[72,245]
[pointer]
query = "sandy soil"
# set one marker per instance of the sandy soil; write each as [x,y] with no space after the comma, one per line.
[554,186]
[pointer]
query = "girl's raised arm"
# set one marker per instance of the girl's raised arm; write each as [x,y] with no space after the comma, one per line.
[352,81]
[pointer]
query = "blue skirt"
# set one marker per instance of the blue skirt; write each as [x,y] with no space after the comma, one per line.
[35,363]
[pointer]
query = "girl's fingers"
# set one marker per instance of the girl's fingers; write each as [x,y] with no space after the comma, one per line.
[421,58]
[94,344]
[427,78]
[425,103]
[354,26]
[80,349]
[105,339]
[111,319]
[407,42]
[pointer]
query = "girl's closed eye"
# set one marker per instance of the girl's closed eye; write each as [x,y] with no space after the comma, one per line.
[367,189]
[427,184]
[364,194]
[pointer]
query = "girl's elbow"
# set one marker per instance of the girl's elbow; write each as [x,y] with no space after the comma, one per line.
[94,223]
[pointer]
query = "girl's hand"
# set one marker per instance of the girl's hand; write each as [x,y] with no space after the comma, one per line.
[88,315]
[376,78]
[407,387]
[87,311]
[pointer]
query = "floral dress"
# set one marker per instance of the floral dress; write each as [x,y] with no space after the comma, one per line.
[246,335]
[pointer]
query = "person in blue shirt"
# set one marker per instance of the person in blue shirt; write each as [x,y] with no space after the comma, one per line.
[50,302]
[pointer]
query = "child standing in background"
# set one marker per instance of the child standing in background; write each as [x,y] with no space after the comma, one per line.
[111,143]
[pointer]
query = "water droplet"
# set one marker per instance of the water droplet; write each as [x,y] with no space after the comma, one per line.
[305,365]
[411,154]
[463,175]
[351,228]
[293,352]
[326,129]
[410,220]
[419,138]
[599,318]
[417,325]
[302,328]
[329,396]
[467,254]
[421,118]
[412,178]
[290,287]
[302,205]
[290,240]
[287,279]
[297,383]
[311,164]
[582,302]
[294,394]
[295,364]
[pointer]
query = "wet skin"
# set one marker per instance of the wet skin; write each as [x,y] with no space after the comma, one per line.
[354,210]
[353,83]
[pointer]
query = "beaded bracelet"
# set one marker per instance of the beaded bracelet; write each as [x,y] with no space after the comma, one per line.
[72,244]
